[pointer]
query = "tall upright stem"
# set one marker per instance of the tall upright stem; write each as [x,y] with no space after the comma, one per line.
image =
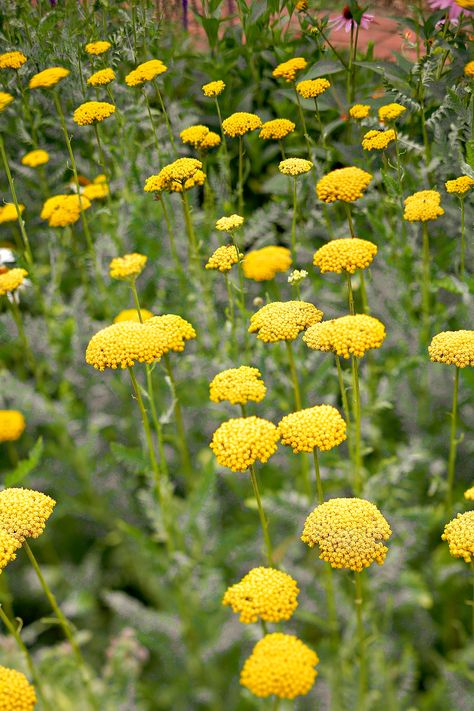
[363,293]
[317,471]
[178,416]
[453,443]
[303,124]
[261,513]
[294,375]
[26,243]
[225,152]
[425,296]
[361,636]
[463,238]
[193,248]
[349,219]
[293,222]
[357,421]
[153,126]
[165,114]
[350,294]
[240,186]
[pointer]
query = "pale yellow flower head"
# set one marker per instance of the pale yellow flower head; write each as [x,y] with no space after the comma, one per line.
[92,112]
[265,263]
[174,176]
[346,184]
[390,112]
[378,140]
[295,166]
[453,348]
[283,320]
[102,77]
[359,111]
[459,533]
[346,336]
[459,186]
[24,512]
[423,206]
[238,386]
[127,267]
[319,427]
[346,254]
[276,129]
[211,140]
[230,223]
[241,441]
[224,258]
[63,210]
[48,78]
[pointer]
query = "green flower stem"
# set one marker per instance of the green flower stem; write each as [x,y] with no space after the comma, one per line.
[293,222]
[261,513]
[102,161]
[282,149]
[472,609]
[225,151]
[276,703]
[134,32]
[303,123]
[193,248]
[14,631]
[85,224]
[453,442]
[363,294]
[165,114]
[65,625]
[153,126]
[169,227]
[320,127]
[240,185]
[357,422]
[243,410]
[463,238]
[294,376]
[317,471]
[399,164]
[264,627]
[185,456]
[350,294]
[349,219]
[24,236]
[230,298]
[342,388]
[361,636]
[426,278]
[16,313]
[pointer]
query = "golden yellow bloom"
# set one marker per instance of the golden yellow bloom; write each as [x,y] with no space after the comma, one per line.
[24,512]
[132,315]
[211,140]
[469,69]
[198,178]
[469,494]
[264,593]
[287,70]
[465,3]
[8,212]
[346,335]
[35,158]
[238,386]
[127,267]
[459,186]
[320,427]
[63,210]
[48,78]
[11,280]
[145,72]
[378,140]
[283,320]
[16,693]
[423,206]
[97,47]
[240,123]
[453,348]
[12,422]
[224,258]
[359,111]
[92,112]
[194,135]
[280,664]
[349,533]
[346,254]
[5,100]
[459,533]
[346,184]
[180,171]
[213,88]
[8,546]
[241,441]
[264,264]
[102,77]
[98,190]
[276,129]
[312,88]
[173,331]
[295,166]
[301,6]
[390,112]
[230,223]
[12,60]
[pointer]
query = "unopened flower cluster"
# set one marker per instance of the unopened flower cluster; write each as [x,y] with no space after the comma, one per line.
[241,441]
[263,594]
[346,254]
[283,320]
[346,336]
[459,533]
[320,427]
[224,258]
[453,348]
[127,267]
[238,386]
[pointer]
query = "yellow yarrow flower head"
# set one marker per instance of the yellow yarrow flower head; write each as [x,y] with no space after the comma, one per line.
[350,533]
[288,70]
[240,123]
[469,494]
[264,264]
[97,47]
[423,206]
[280,664]
[390,112]
[97,190]
[24,512]
[241,441]
[132,315]
[453,348]
[12,425]
[127,267]
[63,210]
[92,112]
[213,88]
[469,69]
[8,212]
[312,88]
[5,100]
[8,548]
[48,78]
[16,693]
[102,77]
[283,320]
[238,386]
[173,331]
[263,594]
[224,258]
[378,140]
[276,129]
[11,280]
[230,223]
[145,72]
[459,533]
[346,254]
[295,166]
[347,335]
[319,427]
[346,184]
[12,60]
[194,135]
[173,175]
[459,186]
[359,111]
[211,140]
[35,158]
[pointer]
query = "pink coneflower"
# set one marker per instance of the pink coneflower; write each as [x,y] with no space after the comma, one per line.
[453,8]
[346,21]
